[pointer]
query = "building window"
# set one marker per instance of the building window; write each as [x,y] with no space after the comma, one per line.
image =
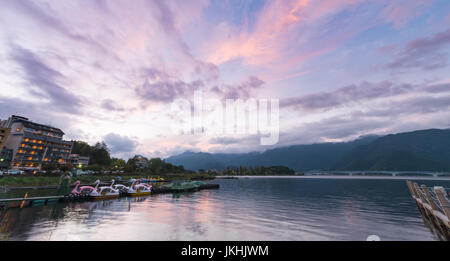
[30,158]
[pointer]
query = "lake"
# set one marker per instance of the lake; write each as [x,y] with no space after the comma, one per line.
[256,208]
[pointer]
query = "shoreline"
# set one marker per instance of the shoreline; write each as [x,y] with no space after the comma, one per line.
[31,182]
[340,177]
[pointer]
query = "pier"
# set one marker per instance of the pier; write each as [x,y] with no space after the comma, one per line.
[38,201]
[434,206]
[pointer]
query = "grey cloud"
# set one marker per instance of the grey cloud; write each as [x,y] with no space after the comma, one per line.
[437,88]
[238,91]
[110,105]
[38,112]
[344,95]
[45,80]
[166,91]
[120,144]
[423,53]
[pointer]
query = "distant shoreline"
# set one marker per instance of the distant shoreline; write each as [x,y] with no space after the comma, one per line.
[340,177]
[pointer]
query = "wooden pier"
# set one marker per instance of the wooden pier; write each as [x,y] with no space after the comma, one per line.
[434,206]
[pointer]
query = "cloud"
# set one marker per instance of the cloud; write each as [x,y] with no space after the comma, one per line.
[111,105]
[40,112]
[345,95]
[166,90]
[45,81]
[238,91]
[424,53]
[120,144]
[44,15]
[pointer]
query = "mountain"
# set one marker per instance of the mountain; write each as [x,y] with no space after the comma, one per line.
[424,150]
[298,157]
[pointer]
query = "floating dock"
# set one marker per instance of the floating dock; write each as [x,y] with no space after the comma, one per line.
[434,206]
[38,201]
[31,201]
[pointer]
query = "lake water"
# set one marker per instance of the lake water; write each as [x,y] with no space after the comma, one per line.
[298,208]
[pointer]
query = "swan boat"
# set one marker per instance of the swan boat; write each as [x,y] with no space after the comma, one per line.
[104,192]
[137,189]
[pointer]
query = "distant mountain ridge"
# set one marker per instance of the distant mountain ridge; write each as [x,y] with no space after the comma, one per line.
[297,157]
[423,150]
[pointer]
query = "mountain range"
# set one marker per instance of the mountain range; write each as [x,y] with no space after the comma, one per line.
[422,150]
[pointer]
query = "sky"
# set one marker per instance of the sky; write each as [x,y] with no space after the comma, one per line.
[109,70]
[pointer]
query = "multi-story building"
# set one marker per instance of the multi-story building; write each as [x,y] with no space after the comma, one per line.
[79,161]
[4,133]
[5,157]
[32,144]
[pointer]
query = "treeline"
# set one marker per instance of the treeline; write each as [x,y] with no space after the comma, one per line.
[152,166]
[100,159]
[259,170]
[98,154]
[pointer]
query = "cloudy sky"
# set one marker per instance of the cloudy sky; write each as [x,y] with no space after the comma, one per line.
[109,69]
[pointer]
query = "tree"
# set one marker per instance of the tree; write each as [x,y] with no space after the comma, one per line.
[98,154]
[118,163]
[49,167]
[66,167]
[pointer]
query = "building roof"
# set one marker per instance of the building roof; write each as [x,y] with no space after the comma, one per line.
[29,123]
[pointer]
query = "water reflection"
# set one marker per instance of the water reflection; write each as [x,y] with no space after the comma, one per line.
[242,209]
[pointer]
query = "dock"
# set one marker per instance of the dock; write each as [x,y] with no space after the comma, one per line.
[39,201]
[31,201]
[434,206]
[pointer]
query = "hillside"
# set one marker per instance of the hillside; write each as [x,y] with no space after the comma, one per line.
[418,150]
[298,157]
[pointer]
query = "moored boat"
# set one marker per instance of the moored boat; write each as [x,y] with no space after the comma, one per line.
[137,189]
[105,192]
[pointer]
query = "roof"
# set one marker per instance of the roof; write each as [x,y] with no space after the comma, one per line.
[29,123]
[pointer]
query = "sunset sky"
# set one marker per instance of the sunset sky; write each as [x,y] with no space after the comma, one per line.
[109,69]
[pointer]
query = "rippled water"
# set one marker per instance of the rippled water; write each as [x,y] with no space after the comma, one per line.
[242,209]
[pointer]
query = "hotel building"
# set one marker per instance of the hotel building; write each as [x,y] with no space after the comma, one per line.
[4,159]
[30,144]
[4,133]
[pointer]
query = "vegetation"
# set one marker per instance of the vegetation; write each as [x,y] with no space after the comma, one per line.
[297,157]
[425,150]
[98,154]
[101,160]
